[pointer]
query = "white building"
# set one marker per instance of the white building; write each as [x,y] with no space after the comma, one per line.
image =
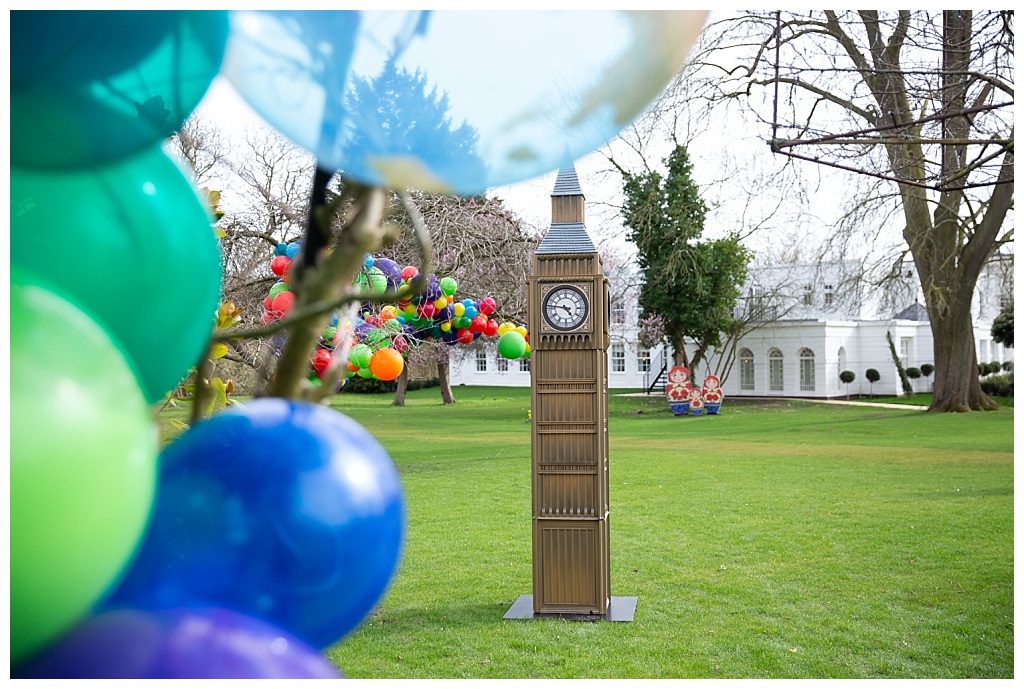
[810,323]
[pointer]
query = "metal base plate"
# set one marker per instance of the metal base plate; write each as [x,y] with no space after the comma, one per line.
[620,609]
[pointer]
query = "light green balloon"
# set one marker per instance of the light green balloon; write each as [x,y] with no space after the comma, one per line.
[278,288]
[132,245]
[512,345]
[360,355]
[83,465]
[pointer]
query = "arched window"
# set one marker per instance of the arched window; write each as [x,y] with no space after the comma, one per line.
[806,369]
[746,369]
[775,370]
[841,362]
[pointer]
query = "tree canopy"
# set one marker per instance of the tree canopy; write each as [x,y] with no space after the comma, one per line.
[692,284]
[1002,326]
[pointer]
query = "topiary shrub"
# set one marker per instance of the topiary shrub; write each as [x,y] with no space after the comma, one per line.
[983,369]
[927,370]
[998,386]
[913,373]
[1007,365]
[994,367]
[847,377]
[873,377]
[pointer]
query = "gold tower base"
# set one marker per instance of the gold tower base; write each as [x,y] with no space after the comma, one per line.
[621,609]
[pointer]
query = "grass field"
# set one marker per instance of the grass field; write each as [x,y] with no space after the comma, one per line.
[777,540]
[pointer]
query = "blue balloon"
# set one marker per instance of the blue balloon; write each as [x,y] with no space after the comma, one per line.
[450,101]
[284,510]
[281,250]
[292,250]
[182,643]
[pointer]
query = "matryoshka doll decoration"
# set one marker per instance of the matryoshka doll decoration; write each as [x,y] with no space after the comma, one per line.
[678,390]
[712,394]
[696,401]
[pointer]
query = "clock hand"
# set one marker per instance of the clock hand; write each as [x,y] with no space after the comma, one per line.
[567,309]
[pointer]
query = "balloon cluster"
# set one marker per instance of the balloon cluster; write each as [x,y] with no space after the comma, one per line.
[267,532]
[378,338]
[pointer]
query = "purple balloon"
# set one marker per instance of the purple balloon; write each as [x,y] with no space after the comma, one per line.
[392,271]
[182,643]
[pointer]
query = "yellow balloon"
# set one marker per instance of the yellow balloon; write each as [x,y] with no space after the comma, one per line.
[446,326]
[460,309]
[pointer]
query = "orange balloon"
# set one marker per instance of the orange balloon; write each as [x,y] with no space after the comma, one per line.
[386,364]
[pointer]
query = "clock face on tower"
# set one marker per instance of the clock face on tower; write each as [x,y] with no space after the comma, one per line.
[565,307]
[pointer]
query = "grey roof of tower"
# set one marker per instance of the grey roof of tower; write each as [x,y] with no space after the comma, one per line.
[567,183]
[567,238]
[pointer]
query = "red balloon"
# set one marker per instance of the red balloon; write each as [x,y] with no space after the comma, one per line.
[487,306]
[478,324]
[465,335]
[268,303]
[282,303]
[492,328]
[321,360]
[410,272]
[280,264]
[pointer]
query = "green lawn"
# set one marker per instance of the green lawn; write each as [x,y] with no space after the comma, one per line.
[779,539]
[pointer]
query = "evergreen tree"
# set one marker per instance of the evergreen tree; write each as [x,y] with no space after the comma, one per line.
[691,284]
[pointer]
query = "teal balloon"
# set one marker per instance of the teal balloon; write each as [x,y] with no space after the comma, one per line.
[82,464]
[132,244]
[91,87]
[512,345]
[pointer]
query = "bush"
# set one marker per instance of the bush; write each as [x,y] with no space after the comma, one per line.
[995,367]
[421,383]
[873,377]
[369,386]
[847,377]
[998,386]
[1007,365]
[913,372]
[927,370]
[983,369]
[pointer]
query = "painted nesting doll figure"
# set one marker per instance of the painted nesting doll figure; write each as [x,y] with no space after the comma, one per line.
[678,390]
[696,401]
[712,394]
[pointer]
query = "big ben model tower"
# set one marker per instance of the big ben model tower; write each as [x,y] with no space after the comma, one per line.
[568,325]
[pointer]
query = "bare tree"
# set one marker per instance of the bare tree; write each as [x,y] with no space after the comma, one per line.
[919,105]
[484,247]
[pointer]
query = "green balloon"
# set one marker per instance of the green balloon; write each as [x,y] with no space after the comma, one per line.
[83,465]
[448,286]
[360,355]
[278,288]
[132,245]
[91,87]
[512,345]
[376,280]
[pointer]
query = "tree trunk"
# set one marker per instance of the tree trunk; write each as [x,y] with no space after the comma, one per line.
[956,387]
[403,384]
[446,385]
